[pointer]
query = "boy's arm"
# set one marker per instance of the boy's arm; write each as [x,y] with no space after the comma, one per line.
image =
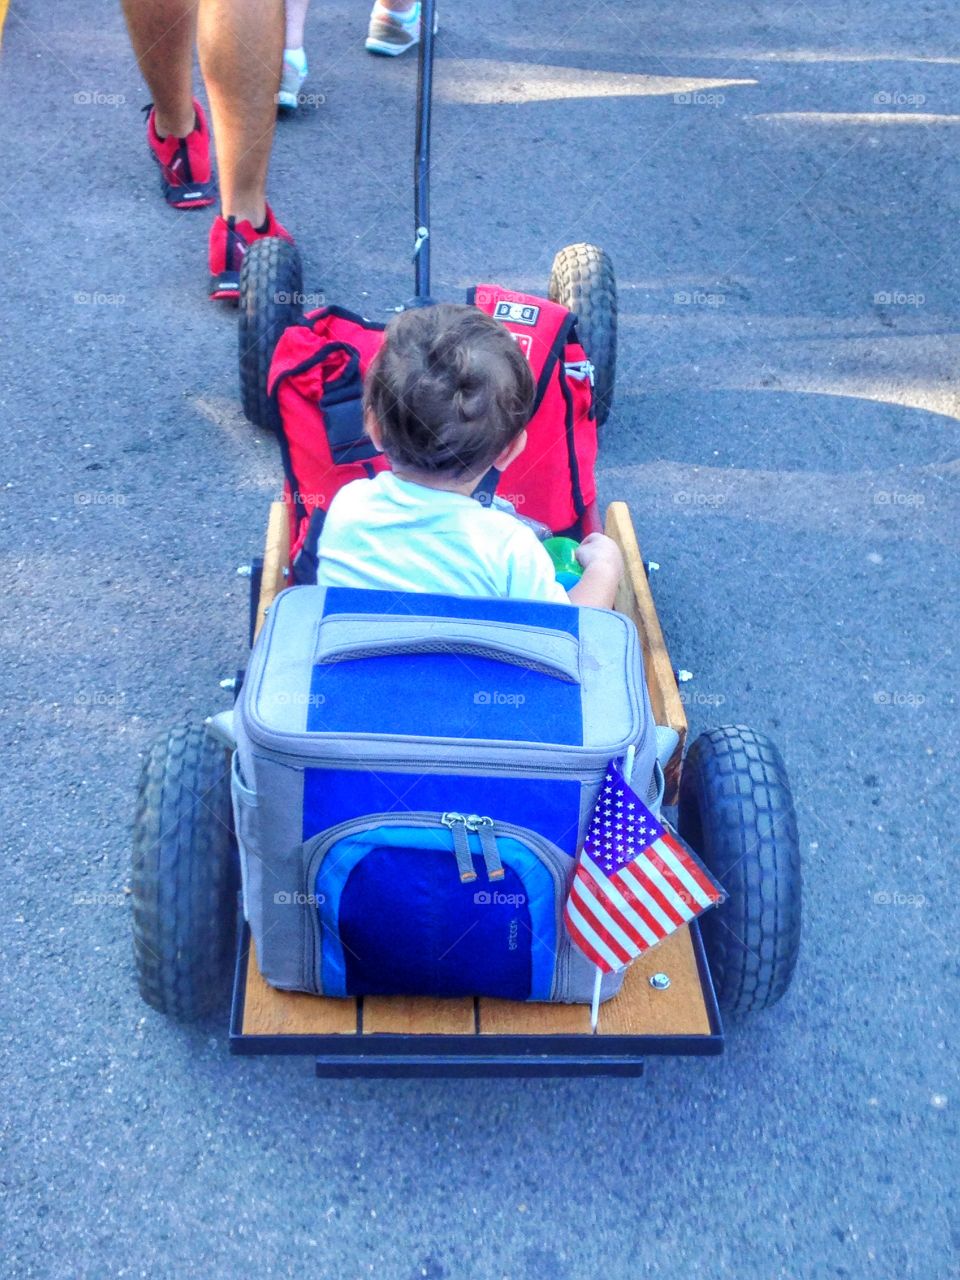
[602,571]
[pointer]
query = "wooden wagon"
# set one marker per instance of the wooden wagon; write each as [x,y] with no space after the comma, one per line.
[667,1004]
[734,808]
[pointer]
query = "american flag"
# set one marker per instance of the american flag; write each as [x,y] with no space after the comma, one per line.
[635,882]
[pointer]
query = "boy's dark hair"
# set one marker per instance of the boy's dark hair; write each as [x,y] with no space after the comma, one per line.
[450,389]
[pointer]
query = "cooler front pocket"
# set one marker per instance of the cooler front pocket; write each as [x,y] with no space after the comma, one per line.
[436,904]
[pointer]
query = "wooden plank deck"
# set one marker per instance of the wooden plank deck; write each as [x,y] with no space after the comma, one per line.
[639,1009]
[418,1015]
[267,1011]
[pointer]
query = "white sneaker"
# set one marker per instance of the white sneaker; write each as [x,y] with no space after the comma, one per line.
[291,79]
[393,33]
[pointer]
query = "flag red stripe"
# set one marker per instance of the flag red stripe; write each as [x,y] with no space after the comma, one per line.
[642,910]
[632,882]
[674,881]
[584,945]
[637,872]
[585,903]
[589,885]
[692,867]
[622,896]
[583,927]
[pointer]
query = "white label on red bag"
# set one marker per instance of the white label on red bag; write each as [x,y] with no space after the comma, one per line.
[517,312]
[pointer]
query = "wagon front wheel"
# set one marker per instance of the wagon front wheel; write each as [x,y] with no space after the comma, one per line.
[736,810]
[271,299]
[185,874]
[582,280]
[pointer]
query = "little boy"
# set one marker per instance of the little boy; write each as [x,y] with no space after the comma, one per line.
[447,398]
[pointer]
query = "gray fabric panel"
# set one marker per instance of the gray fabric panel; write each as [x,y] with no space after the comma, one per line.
[667,740]
[245,827]
[580,975]
[616,707]
[277,684]
[352,636]
[276,896]
[589,791]
[655,789]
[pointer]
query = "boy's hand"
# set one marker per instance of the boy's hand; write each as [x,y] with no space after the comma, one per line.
[602,571]
[598,549]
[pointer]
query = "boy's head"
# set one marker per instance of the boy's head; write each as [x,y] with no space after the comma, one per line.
[449,393]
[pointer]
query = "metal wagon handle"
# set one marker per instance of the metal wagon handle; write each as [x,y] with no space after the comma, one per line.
[421,164]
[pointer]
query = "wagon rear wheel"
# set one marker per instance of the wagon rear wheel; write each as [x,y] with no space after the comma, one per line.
[737,812]
[582,280]
[185,874]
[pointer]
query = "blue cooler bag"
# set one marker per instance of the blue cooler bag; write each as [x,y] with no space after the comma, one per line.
[413,779]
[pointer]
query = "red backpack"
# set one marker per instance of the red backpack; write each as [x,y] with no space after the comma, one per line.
[317,377]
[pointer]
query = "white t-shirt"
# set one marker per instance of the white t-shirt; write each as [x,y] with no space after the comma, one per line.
[395,535]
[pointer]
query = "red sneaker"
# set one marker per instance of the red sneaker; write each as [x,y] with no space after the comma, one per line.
[185,173]
[228,243]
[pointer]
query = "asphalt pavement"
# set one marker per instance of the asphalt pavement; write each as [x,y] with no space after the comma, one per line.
[777,184]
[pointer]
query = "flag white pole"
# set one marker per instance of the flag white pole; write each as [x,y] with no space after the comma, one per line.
[595,1004]
[628,760]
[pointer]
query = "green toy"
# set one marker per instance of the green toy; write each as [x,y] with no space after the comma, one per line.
[562,552]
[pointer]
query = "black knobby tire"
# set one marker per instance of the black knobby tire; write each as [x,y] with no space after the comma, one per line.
[271,296]
[737,812]
[582,280]
[185,874]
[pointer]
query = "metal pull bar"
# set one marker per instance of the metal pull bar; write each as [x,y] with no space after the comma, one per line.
[421,164]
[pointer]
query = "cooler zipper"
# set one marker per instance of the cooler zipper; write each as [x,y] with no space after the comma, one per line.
[460,824]
[458,827]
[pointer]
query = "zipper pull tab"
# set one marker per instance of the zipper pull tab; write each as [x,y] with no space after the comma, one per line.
[581,370]
[488,844]
[457,825]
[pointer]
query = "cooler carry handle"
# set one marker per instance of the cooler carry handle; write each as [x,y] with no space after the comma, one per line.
[352,636]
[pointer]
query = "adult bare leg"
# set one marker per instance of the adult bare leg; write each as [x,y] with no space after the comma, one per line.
[241,48]
[162,34]
[296,18]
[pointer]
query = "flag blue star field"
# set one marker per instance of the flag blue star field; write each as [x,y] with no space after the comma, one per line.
[635,882]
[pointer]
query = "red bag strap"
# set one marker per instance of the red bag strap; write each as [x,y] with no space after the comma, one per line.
[326,320]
